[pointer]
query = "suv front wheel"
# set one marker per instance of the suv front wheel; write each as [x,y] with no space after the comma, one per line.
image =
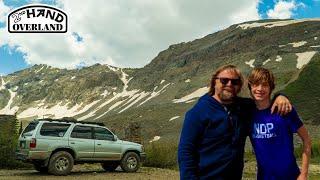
[61,163]
[130,162]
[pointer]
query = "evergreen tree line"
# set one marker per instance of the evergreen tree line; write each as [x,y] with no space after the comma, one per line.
[9,133]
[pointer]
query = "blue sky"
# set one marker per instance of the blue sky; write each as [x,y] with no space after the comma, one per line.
[12,60]
[306,9]
[125,36]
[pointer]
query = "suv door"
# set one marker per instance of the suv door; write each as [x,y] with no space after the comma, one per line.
[81,140]
[106,148]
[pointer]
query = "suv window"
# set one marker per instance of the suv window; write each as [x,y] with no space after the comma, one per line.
[84,132]
[103,134]
[54,129]
[28,131]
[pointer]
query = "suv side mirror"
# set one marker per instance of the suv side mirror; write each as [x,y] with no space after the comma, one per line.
[115,138]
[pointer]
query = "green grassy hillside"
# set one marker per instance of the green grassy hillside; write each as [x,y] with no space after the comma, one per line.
[305,91]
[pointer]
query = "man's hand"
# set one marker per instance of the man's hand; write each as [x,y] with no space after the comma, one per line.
[283,104]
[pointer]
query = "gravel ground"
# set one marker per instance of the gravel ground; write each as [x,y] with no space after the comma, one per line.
[249,171]
[94,171]
[86,172]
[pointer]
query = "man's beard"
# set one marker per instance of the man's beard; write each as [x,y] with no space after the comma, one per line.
[226,96]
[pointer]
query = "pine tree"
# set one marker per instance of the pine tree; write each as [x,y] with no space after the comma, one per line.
[20,128]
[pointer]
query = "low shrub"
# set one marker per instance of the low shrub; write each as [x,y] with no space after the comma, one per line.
[315,150]
[161,154]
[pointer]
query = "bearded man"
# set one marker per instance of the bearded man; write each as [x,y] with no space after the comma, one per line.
[214,131]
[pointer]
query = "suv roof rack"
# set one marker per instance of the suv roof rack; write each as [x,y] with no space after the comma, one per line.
[95,123]
[70,120]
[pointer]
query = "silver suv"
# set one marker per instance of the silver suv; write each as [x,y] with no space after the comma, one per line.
[54,146]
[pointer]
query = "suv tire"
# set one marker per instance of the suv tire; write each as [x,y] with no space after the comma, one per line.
[110,166]
[130,162]
[40,168]
[61,163]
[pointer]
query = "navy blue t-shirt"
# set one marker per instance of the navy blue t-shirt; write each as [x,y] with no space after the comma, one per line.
[272,139]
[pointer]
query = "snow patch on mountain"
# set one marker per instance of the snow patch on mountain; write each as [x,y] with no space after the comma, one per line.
[41,103]
[304,58]
[250,63]
[115,105]
[273,24]
[156,138]
[298,44]
[140,97]
[36,71]
[173,118]
[190,101]
[198,93]
[155,94]
[2,84]
[278,58]
[266,61]
[133,97]
[125,80]
[57,111]
[155,88]
[105,93]
[89,115]
[116,96]
[7,109]
[112,68]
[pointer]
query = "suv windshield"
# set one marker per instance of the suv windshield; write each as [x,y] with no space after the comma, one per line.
[28,131]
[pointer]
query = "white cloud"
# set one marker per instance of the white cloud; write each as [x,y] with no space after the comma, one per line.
[127,33]
[250,13]
[3,11]
[283,9]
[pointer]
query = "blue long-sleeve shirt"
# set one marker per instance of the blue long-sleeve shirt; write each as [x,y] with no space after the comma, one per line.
[213,138]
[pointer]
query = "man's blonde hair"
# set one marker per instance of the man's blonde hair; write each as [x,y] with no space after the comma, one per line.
[230,68]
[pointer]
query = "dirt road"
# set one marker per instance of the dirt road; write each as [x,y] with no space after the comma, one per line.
[94,171]
[86,172]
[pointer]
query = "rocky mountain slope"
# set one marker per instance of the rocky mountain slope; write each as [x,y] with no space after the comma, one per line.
[158,95]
